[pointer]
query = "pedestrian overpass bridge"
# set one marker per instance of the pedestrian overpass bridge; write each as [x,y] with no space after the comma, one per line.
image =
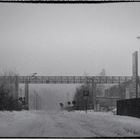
[93,80]
[67,79]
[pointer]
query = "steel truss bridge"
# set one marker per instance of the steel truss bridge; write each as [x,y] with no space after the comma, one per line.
[68,79]
[93,80]
[75,80]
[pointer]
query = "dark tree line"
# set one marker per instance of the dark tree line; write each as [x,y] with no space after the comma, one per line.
[7,102]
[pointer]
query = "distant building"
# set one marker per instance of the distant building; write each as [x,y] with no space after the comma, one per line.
[122,91]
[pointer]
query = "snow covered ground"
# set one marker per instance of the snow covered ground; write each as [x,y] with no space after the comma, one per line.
[67,124]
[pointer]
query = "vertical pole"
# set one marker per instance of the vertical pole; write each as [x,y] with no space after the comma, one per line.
[36,102]
[34,97]
[119,86]
[91,96]
[135,72]
[94,95]
[16,88]
[27,93]
[40,107]
[86,104]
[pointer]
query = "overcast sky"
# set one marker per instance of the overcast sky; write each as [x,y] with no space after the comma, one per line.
[69,39]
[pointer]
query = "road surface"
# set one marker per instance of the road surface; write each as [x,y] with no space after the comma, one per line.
[67,124]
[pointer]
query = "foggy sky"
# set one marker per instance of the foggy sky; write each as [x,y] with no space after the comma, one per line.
[69,39]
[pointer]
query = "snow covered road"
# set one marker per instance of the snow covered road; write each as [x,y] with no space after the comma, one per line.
[67,124]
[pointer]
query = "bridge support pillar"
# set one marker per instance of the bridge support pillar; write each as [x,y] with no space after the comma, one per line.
[27,94]
[94,96]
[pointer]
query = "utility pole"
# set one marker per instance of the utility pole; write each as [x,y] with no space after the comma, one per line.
[16,87]
[27,93]
[35,100]
[135,72]
[94,95]
[39,103]
[86,96]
